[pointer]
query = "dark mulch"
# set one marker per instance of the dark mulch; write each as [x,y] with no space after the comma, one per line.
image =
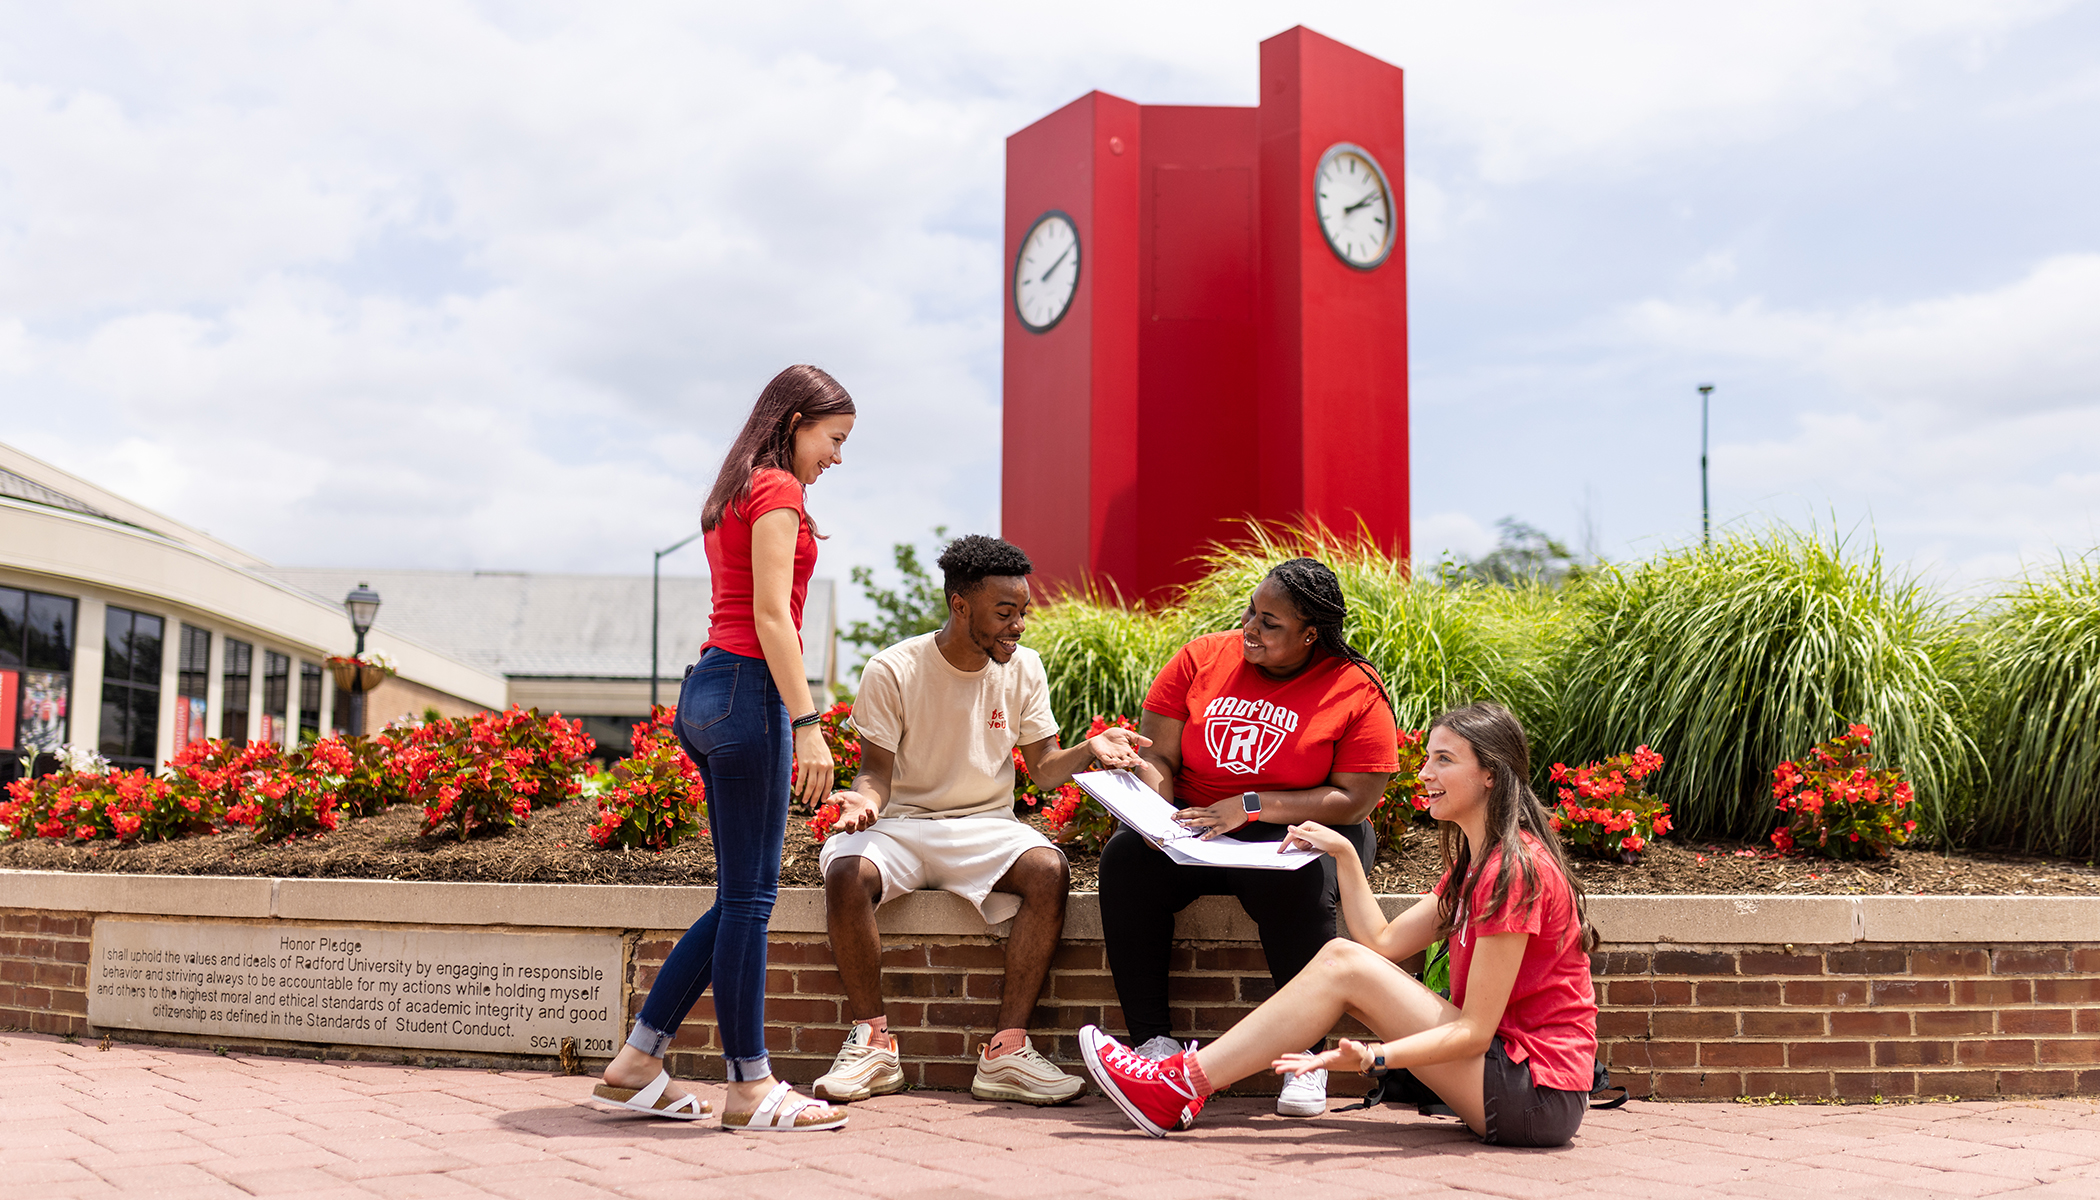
[554,848]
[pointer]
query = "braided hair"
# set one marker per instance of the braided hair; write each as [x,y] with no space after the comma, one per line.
[1317,593]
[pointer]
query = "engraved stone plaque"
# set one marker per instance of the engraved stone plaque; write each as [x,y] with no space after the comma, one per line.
[491,993]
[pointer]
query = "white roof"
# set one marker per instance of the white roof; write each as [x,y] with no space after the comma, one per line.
[538,625]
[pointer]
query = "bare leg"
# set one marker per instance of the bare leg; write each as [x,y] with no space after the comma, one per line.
[1042,880]
[1348,978]
[852,889]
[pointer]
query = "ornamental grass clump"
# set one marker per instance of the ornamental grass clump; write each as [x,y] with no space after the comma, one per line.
[656,797]
[1605,810]
[1726,659]
[1836,805]
[1100,656]
[2035,706]
[1437,643]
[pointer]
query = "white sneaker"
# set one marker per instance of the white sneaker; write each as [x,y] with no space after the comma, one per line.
[861,1070]
[1304,1094]
[1161,1048]
[1024,1076]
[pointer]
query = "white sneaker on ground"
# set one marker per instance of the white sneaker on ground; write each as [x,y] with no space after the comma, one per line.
[1304,1094]
[1160,1049]
[861,1070]
[1024,1076]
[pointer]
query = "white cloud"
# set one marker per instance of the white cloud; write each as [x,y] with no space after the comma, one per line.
[443,284]
[2029,345]
[1454,533]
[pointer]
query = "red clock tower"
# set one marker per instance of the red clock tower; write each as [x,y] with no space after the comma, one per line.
[1206,319]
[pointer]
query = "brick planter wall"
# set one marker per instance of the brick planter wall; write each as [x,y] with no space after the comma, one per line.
[1717,1022]
[1701,997]
[43,971]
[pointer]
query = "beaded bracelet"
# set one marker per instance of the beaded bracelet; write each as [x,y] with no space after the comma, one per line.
[806,720]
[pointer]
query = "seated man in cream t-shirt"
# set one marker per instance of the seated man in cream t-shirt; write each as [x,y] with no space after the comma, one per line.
[940,716]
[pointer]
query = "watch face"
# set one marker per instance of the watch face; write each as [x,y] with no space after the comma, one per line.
[1046,272]
[1355,206]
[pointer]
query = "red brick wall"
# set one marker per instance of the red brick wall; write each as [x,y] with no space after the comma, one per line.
[1853,1022]
[43,970]
[942,998]
[1717,1022]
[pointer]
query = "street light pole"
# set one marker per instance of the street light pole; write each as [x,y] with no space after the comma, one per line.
[363,606]
[1706,526]
[656,575]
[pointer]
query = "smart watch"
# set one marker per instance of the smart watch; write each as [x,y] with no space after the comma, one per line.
[1251,801]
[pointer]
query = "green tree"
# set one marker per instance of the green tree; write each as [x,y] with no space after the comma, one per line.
[914,607]
[1524,554]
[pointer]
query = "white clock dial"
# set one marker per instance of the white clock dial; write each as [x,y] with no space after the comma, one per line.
[1046,272]
[1355,205]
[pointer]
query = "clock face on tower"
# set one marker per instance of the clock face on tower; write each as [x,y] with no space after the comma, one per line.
[1046,271]
[1355,205]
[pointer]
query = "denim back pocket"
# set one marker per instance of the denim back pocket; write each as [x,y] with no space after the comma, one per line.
[706,699]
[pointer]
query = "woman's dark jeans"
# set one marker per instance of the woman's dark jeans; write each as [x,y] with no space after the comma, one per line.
[734,726]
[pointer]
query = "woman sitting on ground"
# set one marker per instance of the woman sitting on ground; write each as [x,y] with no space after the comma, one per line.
[1513,1055]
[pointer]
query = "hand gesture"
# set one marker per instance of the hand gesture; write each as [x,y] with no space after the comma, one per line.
[1349,1056]
[1117,749]
[856,812]
[1310,835]
[814,772]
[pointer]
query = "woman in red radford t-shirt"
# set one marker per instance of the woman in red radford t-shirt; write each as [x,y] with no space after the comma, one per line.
[746,719]
[1512,1052]
[1252,730]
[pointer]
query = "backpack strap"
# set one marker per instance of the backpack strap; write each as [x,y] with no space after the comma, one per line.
[1601,1087]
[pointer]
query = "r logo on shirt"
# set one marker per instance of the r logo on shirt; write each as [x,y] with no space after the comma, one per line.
[998,720]
[1242,735]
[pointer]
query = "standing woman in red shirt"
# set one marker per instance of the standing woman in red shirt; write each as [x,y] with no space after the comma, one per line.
[1252,730]
[746,717]
[1512,1052]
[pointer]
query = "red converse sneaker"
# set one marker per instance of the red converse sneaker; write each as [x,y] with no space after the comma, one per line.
[1156,1096]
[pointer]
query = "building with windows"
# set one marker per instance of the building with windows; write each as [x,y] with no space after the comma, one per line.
[126,631]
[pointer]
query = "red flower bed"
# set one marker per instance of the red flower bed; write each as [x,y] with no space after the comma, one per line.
[1836,806]
[656,798]
[1605,809]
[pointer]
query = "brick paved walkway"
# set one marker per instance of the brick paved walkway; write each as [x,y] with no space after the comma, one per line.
[79,1121]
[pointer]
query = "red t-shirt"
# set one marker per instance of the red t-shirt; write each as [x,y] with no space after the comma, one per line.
[1245,732]
[730,622]
[1551,1018]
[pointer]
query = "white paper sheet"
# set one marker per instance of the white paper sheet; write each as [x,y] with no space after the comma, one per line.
[1141,809]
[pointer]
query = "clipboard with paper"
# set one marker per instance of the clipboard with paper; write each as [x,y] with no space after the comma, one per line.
[1141,809]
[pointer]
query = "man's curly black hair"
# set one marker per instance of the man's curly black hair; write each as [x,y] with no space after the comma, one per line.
[969,559]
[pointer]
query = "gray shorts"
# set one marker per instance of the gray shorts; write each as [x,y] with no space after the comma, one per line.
[1522,1113]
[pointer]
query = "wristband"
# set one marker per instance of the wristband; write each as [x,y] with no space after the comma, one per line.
[806,720]
[1377,1066]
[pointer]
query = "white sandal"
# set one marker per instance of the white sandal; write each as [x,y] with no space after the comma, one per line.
[781,1112]
[650,1100]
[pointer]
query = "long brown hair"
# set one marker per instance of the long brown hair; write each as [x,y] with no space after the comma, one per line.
[1501,748]
[768,439]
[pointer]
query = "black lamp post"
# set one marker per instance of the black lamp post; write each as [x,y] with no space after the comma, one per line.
[1706,528]
[656,575]
[363,606]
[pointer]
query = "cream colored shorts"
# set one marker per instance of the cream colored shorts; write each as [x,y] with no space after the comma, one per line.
[964,855]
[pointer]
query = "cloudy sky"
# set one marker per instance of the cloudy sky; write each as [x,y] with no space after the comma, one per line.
[441,284]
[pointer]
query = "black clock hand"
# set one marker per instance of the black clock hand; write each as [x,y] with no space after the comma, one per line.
[1360,203]
[1054,266]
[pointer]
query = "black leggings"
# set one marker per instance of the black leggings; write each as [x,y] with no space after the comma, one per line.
[1142,889]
